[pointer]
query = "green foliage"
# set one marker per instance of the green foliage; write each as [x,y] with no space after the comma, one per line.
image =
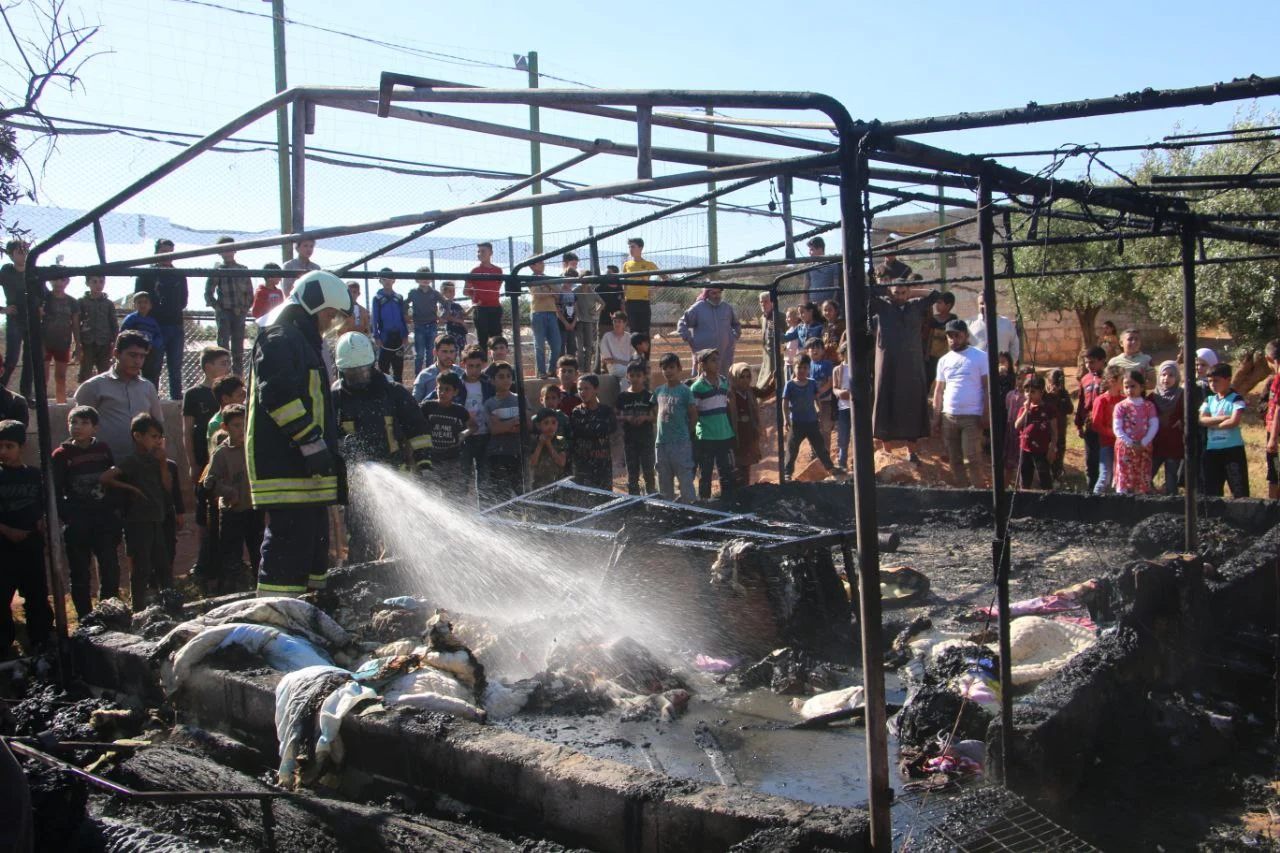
[1084,294]
[1240,298]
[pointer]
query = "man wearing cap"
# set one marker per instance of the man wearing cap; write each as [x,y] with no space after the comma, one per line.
[960,405]
[230,295]
[168,289]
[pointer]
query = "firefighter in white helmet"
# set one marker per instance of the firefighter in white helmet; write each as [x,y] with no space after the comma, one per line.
[292,441]
[380,423]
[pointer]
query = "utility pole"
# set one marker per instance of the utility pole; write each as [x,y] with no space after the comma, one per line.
[282,127]
[529,63]
[713,237]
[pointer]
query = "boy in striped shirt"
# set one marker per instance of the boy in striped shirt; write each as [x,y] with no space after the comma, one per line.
[716,414]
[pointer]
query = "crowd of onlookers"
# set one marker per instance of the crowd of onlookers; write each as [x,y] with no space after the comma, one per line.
[672,427]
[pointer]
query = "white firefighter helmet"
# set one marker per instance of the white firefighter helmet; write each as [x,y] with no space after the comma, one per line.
[318,290]
[353,350]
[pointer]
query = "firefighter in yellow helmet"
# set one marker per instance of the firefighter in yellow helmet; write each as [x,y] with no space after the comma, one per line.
[292,441]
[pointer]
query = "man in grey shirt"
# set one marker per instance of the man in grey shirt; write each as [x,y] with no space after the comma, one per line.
[121,394]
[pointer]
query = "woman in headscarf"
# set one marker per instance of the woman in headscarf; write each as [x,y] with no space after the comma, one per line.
[899,413]
[1167,447]
[747,428]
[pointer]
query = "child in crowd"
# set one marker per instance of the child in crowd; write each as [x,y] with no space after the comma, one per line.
[1135,422]
[1037,425]
[240,525]
[1109,341]
[636,414]
[1056,393]
[145,476]
[716,415]
[227,390]
[615,347]
[1271,418]
[840,389]
[142,321]
[475,390]
[791,342]
[1101,421]
[822,372]
[1132,357]
[1007,375]
[550,449]
[21,543]
[676,425]
[552,396]
[567,373]
[449,422]
[61,325]
[1167,449]
[640,343]
[800,416]
[832,331]
[452,316]
[92,528]
[809,327]
[592,425]
[199,405]
[1091,388]
[504,477]
[748,430]
[98,328]
[267,295]
[1224,462]
[499,351]
[1013,401]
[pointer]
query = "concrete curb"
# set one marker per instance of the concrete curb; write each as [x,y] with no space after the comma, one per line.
[577,799]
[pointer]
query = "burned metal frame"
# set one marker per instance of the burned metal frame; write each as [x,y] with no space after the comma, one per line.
[847,164]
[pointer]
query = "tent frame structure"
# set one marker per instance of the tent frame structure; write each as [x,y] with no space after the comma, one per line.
[862,160]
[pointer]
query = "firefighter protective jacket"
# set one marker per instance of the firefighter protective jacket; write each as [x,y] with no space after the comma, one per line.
[289,406]
[381,423]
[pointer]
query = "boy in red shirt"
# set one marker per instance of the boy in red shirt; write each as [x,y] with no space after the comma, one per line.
[1273,410]
[1037,426]
[1100,420]
[1091,388]
[485,295]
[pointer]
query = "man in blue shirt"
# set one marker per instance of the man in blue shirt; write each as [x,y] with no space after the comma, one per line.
[823,283]
[390,326]
[1224,461]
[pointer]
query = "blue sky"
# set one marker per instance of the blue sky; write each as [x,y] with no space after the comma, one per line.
[180,65]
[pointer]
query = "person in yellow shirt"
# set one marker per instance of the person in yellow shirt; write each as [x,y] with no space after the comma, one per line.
[636,295]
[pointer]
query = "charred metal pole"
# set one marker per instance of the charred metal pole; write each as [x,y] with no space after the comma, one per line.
[1130,102]
[513,291]
[853,169]
[788,226]
[433,226]
[1190,423]
[779,376]
[298,162]
[57,555]
[644,142]
[996,417]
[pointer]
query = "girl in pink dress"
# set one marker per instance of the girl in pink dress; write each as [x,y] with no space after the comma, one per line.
[1136,423]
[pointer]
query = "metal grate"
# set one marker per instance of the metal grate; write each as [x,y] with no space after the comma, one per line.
[981,819]
[586,510]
